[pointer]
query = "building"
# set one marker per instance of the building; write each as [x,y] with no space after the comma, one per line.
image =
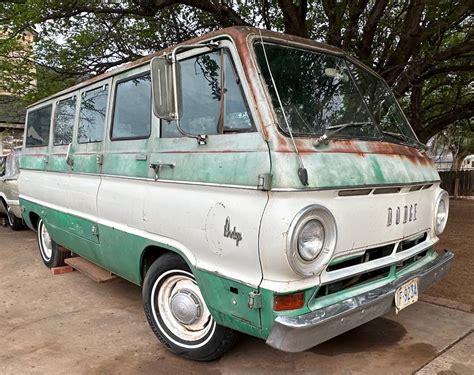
[12,111]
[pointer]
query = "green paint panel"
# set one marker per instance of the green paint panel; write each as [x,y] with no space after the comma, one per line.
[234,159]
[61,226]
[85,164]
[122,253]
[231,168]
[228,297]
[336,170]
[37,162]
[84,156]
[57,163]
[126,165]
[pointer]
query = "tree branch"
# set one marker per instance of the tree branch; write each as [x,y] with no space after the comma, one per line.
[334,11]
[435,125]
[294,17]
[368,32]
[414,73]
[356,8]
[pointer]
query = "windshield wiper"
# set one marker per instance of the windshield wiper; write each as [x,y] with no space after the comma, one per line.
[337,128]
[406,139]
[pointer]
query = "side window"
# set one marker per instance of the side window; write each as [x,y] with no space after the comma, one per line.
[64,121]
[39,122]
[213,101]
[92,115]
[132,109]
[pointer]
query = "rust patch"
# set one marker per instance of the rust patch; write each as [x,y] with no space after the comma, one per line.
[356,147]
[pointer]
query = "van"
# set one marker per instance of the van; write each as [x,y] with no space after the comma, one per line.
[9,203]
[249,181]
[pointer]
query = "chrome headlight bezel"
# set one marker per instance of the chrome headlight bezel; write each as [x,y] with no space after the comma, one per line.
[442,196]
[313,267]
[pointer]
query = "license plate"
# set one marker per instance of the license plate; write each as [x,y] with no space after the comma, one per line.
[406,294]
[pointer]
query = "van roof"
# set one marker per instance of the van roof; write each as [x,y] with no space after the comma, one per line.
[238,33]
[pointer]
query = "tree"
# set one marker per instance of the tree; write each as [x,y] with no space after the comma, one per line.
[422,48]
[457,140]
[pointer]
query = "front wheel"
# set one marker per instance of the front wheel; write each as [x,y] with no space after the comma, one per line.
[178,315]
[14,222]
[49,250]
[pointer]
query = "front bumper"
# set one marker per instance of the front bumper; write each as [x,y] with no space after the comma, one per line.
[295,334]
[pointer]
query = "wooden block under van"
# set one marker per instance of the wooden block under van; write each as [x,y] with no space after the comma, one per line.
[89,269]
[61,270]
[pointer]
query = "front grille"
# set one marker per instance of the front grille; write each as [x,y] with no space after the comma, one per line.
[370,255]
[405,263]
[377,253]
[352,281]
[409,243]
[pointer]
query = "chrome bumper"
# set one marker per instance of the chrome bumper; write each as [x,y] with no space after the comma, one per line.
[295,334]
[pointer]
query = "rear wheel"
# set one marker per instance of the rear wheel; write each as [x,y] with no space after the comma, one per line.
[49,250]
[178,315]
[14,222]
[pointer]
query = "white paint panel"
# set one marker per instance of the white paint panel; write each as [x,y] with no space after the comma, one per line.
[82,195]
[45,186]
[196,215]
[120,201]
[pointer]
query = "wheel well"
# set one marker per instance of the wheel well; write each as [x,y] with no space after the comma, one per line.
[3,202]
[150,255]
[34,218]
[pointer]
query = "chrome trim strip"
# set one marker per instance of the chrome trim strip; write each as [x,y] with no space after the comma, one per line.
[153,180]
[300,190]
[336,275]
[181,182]
[295,334]
[354,187]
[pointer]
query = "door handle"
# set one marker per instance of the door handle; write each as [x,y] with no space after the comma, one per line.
[157,167]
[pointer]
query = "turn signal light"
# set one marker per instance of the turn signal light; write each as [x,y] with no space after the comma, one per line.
[288,301]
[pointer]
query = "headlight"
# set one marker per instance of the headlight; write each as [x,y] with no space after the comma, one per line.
[311,240]
[441,212]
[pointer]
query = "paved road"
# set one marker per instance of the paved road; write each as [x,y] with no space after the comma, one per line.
[68,324]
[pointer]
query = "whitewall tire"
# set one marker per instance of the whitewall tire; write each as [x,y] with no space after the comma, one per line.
[49,250]
[178,315]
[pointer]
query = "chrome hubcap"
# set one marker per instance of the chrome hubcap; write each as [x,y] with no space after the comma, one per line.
[186,307]
[181,306]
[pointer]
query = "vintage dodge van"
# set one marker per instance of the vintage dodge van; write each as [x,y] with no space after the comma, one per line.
[250,181]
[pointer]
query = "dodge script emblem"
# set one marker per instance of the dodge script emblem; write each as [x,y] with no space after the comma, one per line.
[409,214]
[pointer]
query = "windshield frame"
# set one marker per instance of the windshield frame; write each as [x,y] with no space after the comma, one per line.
[316,47]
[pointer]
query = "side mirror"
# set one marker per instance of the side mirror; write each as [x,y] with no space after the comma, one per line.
[166,83]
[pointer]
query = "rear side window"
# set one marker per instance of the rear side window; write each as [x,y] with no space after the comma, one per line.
[64,121]
[39,122]
[92,115]
[132,112]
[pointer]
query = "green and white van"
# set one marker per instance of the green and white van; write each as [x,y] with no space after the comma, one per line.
[249,181]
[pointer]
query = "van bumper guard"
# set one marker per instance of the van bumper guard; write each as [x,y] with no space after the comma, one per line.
[295,334]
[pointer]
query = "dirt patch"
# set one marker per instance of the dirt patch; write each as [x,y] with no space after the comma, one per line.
[459,238]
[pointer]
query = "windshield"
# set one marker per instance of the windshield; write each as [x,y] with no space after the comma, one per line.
[324,94]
